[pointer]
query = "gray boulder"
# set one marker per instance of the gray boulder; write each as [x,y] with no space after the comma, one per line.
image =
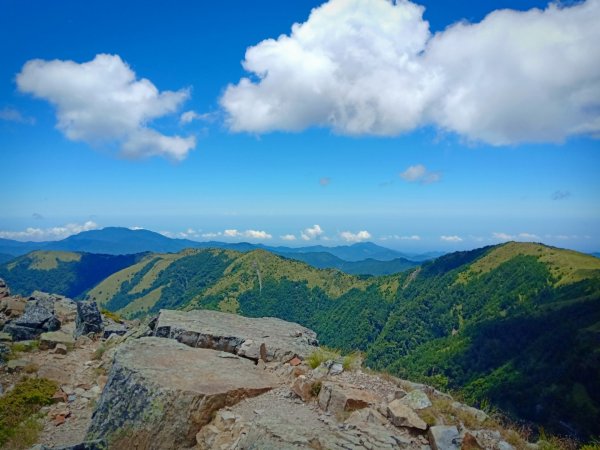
[163,392]
[38,318]
[114,328]
[442,437]
[88,320]
[264,338]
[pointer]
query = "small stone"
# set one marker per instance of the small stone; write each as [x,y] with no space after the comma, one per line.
[261,365]
[470,443]
[60,397]
[227,355]
[402,416]
[5,337]
[60,349]
[442,437]
[16,365]
[295,361]
[416,400]
[59,419]
[336,369]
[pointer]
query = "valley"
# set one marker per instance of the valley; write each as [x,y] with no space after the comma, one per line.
[502,325]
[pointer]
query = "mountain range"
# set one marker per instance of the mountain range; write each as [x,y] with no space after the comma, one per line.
[358,259]
[503,324]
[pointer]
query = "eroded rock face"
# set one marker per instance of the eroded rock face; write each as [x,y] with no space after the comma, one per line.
[39,317]
[88,320]
[264,338]
[160,393]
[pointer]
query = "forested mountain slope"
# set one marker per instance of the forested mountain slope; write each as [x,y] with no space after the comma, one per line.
[516,325]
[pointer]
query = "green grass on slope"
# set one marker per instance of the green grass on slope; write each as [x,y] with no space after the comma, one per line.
[566,266]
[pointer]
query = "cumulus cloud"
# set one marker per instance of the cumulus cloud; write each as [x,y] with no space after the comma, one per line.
[233,233]
[14,115]
[421,174]
[348,236]
[372,67]
[560,195]
[313,232]
[52,234]
[288,237]
[453,238]
[103,102]
[502,236]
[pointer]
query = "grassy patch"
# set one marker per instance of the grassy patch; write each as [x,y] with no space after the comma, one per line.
[566,266]
[48,260]
[321,355]
[111,315]
[21,347]
[18,426]
[353,361]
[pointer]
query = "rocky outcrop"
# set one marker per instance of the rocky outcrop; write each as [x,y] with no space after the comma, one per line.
[264,338]
[160,393]
[4,290]
[88,320]
[53,338]
[39,317]
[337,399]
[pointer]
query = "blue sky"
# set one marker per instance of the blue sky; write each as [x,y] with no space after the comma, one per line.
[376,146]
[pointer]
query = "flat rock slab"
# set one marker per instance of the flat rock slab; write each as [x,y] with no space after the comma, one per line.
[160,393]
[264,338]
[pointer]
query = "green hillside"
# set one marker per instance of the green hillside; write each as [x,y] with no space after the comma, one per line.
[516,325]
[65,273]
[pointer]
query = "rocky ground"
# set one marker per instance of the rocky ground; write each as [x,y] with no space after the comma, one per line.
[208,380]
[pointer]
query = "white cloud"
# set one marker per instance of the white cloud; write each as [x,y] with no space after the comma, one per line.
[414,173]
[420,173]
[257,234]
[210,235]
[136,228]
[313,232]
[372,67]
[190,116]
[252,234]
[414,237]
[451,238]
[102,101]
[53,233]
[288,237]
[348,236]
[13,115]
[503,236]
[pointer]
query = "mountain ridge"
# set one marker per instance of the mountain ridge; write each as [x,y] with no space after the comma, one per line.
[120,240]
